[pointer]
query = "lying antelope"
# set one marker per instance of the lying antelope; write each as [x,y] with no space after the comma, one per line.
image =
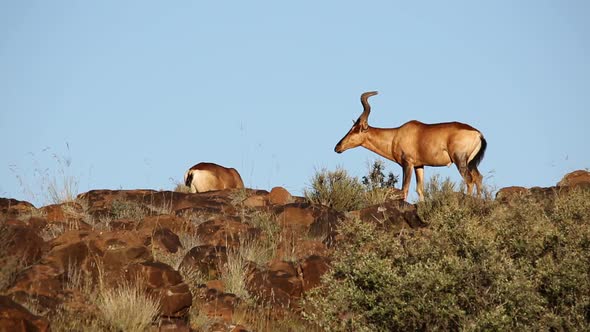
[416,144]
[209,176]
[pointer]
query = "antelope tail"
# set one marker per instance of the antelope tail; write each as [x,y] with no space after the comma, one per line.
[189,179]
[479,156]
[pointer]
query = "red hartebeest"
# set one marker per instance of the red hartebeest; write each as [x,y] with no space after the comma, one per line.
[416,144]
[209,176]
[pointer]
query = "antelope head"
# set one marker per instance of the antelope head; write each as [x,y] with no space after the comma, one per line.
[357,134]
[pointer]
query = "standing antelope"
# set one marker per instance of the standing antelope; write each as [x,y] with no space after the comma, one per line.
[416,144]
[209,176]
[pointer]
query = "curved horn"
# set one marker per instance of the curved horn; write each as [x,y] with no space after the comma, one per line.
[366,107]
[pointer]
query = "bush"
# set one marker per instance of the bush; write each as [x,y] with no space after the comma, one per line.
[378,186]
[335,189]
[376,178]
[343,192]
[479,266]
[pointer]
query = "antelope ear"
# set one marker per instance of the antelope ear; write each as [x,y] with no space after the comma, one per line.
[364,125]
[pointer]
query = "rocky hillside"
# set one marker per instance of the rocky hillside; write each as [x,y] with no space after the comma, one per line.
[232,260]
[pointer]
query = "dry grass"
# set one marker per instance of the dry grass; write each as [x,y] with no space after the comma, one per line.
[127,308]
[181,188]
[262,249]
[237,197]
[50,185]
[92,306]
[234,274]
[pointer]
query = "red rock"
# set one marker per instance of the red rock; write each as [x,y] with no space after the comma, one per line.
[217,304]
[173,325]
[165,239]
[100,202]
[40,282]
[124,224]
[225,232]
[394,215]
[172,222]
[113,249]
[299,216]
[166,284]
[216,285]
[280,196]
[298,247]
[23,243]
[15,318]
[66,256]
[576,178]
[66,212]
[313,268]
[11,208]
[298,219]
[256,201]
[207,259]
[116,259]
[279,284]
[508,193]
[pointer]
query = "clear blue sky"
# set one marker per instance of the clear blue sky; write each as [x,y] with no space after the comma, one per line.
[142,90]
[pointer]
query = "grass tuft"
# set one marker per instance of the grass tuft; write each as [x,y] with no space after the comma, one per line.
[234,274]
[127,308]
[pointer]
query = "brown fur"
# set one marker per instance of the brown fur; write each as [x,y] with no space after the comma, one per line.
[415,145]
[209,176]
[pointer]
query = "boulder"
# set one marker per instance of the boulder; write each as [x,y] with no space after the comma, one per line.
[395,215]
[41,283]
[175,223]
[166,284]
[114,250]
[217,304]
[279,284]
[67,213]
[509,193]
[15,318]
[22,243]
[164,239]
[312,270]
[256,201]
[280,196]
[11,208]
[225,232]
[208,259]
[306,219]
[298,248]
[579,178]
[101,202]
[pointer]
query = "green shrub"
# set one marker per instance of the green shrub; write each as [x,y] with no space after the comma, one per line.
[378,186]
[480,265]
[343,192]
[335,189]
[376,178]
